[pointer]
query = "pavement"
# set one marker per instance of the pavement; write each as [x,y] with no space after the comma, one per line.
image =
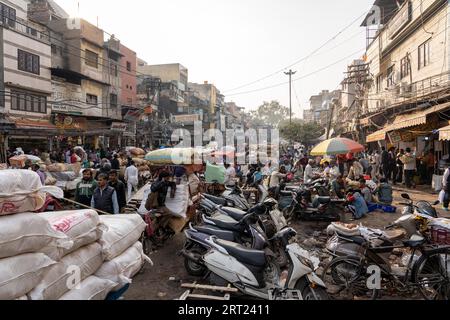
[163,280]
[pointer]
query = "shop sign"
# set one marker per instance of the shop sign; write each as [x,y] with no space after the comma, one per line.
[132,115]
[186,118]
[69,122]
[119,127]
[403,17]
[407,136]
[395,137]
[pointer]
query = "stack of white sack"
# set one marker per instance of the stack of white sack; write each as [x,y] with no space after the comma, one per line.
[75,264]
[122,250]
[23,238]
[22,191]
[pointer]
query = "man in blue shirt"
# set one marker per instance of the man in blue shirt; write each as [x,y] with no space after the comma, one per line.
[105,197]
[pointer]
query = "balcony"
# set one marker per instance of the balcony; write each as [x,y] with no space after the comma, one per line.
[24,28]
[405,93]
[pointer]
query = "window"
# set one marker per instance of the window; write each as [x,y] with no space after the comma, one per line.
[8,15]
[380,83]
[91,99]
[404,67]
[28,62]
[390,76]
[424,54]
[128,66]
[91,59]
[29,102]
[113,100]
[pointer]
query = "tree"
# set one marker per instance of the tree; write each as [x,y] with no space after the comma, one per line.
[300,131]
[270,113]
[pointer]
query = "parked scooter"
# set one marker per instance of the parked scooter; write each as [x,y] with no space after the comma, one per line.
[256,274]
[300,204]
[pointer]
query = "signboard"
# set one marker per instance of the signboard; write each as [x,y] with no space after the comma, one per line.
[407,136]
[395,137]
[118,126]
[402,18]
[132,115]
[67,122]
[186,118]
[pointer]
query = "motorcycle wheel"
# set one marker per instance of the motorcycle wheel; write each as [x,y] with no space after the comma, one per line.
[193,268]
[307,292]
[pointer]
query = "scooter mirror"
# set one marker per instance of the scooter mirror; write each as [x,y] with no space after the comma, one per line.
[406,196]
[436,203]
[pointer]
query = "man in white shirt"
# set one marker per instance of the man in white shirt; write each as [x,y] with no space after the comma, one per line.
[334,172]
[276,177]
[131,178]
[309,175]
[230,175]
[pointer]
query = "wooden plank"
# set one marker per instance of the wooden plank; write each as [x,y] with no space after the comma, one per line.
[206,297]
[208,287]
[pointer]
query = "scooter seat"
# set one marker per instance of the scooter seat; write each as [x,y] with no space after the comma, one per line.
[242,254]
[234,213]
[223,222]
[219,233]
[414,243]
[324,200]
[285,194]
[216,200]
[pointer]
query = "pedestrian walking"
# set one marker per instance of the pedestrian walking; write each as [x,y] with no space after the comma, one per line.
[385,163]
[119,186]
[85,188]
[392,166]
[105,197]
[400,166]
[131,178]
[409,162]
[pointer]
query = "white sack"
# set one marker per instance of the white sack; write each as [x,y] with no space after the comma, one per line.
[124,267]
[179,204]
[124,230]
[20,274]
[92,288]
[81,226]
[64,275]
[22,191]
[28,233]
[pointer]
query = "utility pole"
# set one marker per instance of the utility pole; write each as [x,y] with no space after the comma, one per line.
[290,74]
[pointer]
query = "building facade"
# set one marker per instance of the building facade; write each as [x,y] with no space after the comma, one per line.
[407,102]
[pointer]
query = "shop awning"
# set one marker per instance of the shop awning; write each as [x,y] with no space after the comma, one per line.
[379,135]
[33,124]
[444,134]
[417,118]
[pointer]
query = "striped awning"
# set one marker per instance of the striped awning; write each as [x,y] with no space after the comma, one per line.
[417,118]
[379,135]
[444,134]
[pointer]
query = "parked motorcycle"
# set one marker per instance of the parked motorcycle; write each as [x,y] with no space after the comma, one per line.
[256,274]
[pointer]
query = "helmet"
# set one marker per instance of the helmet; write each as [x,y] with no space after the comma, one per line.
[426,209]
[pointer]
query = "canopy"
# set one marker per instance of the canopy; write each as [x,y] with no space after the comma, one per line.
[337,146]
[444,134]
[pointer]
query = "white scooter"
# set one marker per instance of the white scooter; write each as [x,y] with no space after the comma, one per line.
[255,274]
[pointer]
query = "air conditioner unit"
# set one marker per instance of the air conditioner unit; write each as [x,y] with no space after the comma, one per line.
[406,89]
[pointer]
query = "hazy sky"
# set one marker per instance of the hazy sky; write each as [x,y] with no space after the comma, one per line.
[234,42]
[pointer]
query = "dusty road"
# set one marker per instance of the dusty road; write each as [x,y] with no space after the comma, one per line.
[162,281]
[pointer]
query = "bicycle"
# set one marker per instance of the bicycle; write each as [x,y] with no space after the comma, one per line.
[428,274]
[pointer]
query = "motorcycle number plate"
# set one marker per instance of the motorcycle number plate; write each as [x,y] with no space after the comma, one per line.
[285,295]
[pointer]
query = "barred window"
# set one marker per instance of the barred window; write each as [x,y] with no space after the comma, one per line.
[29,102]
[28,62]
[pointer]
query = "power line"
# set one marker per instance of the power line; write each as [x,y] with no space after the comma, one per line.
[300,78]
[299,60]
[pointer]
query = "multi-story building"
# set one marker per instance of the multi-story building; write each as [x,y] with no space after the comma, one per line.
[208,92]
[25,78]
[321,106]
[408,58]
[87,83]
[128,98]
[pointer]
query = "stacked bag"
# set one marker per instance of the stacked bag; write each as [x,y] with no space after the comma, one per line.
[61,255]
